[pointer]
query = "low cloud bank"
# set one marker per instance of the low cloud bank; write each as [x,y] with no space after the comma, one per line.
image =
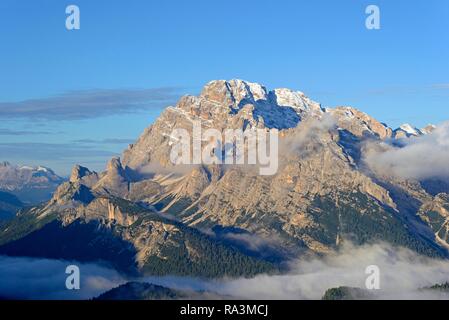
[402,274]
[27,278]
[419,158]
[308,132]
[82,104]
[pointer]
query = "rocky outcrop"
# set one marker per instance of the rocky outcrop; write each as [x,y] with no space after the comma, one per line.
[360,124]
[114,180]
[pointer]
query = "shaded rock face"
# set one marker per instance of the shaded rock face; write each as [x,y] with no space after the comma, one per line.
[9,205]
[321,196]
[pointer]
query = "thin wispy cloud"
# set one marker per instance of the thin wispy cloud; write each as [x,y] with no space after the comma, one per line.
[406,90]
[55,151]
[443,86]
[12,132]
[105,141]
[87,104]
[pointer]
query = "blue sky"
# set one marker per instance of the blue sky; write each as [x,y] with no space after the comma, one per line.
[137,56]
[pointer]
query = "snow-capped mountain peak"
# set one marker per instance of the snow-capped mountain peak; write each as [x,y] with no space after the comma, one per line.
[13,177]
[409,129]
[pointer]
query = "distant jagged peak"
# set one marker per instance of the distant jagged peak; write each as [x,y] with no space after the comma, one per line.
[407,130]
[32,169]
[35,183]
[6,166]
[428,129]
[40,169]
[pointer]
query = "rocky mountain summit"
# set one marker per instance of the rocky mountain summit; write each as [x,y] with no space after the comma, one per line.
[146,214]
